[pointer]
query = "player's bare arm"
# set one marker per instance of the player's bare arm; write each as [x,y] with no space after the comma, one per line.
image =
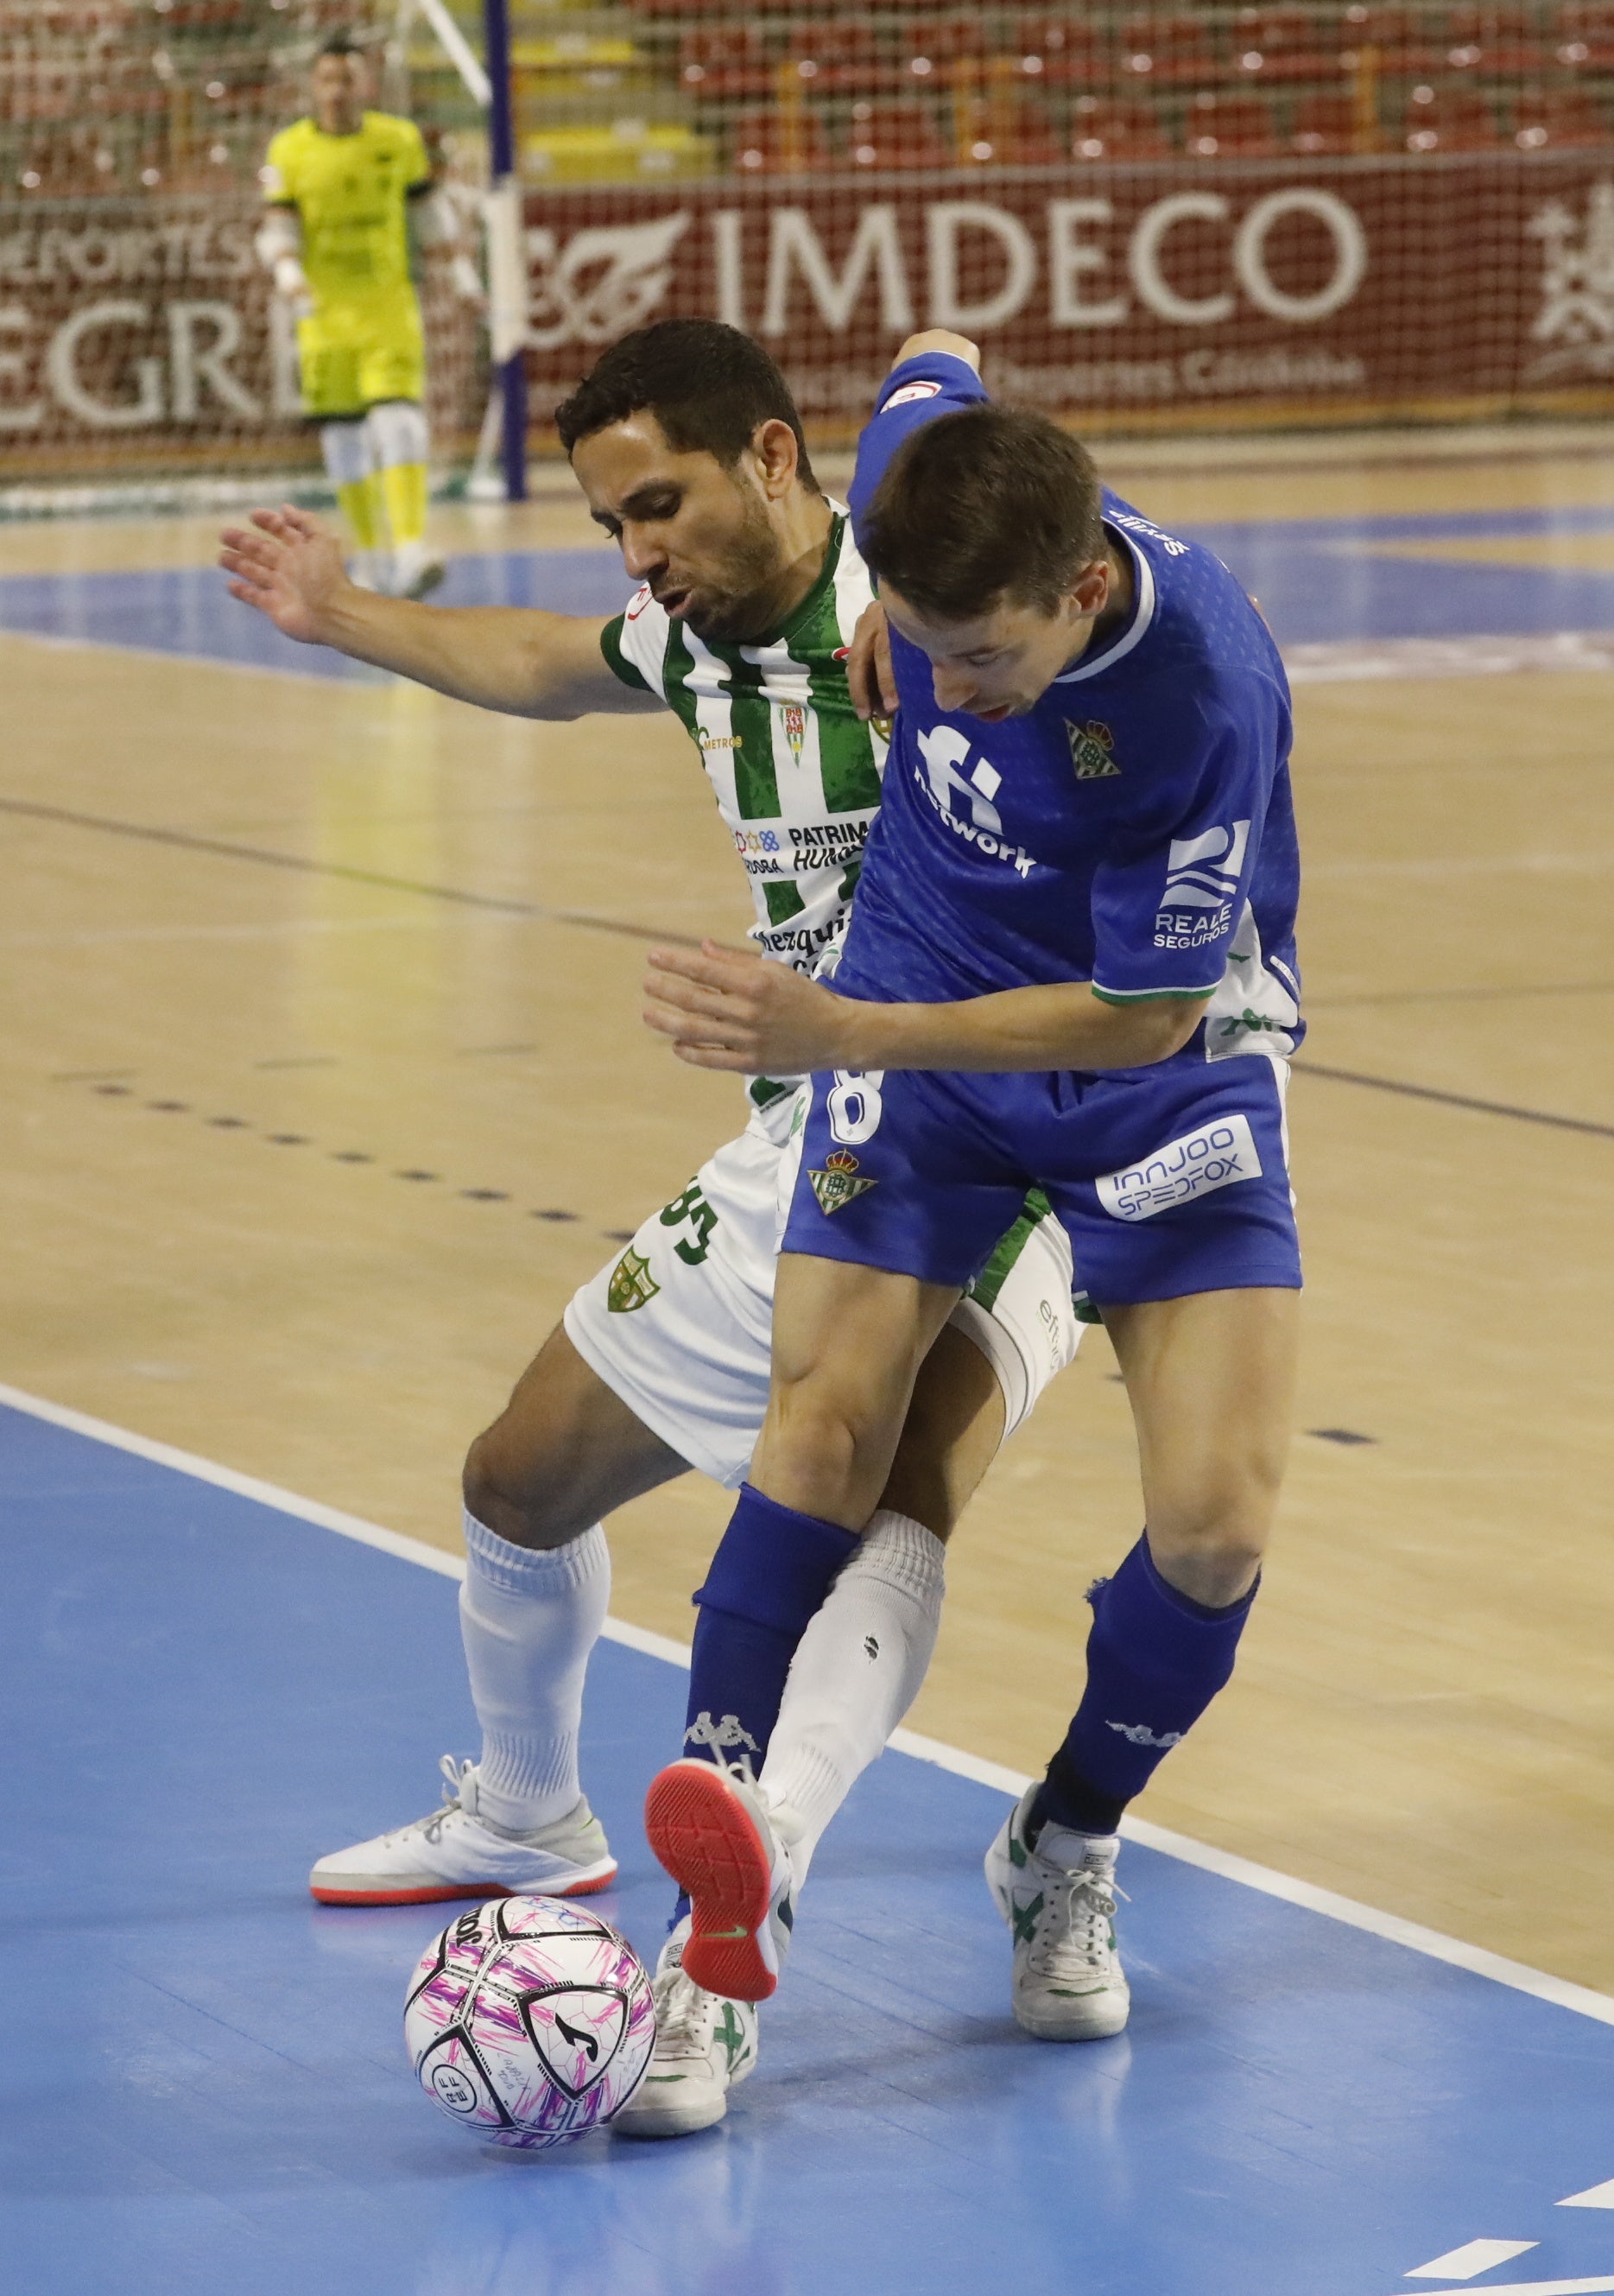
[515,659]
[726,1010]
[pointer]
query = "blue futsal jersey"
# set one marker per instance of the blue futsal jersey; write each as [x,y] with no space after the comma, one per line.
[1134,829]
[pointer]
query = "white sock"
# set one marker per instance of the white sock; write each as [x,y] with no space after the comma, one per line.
[396,431]
[857,1671]
[529,1619]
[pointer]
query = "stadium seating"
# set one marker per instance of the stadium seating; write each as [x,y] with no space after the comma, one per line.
[1583,39]
[1168,52]
[1276,44]
[1558,119]
[1103,127]
[789,141]
[1065,52]
[839,56]
[1447,117]
[727,62]
[1331,126]
[897,134]
[1230,127]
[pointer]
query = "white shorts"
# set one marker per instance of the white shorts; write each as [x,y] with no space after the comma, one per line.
[681,1326]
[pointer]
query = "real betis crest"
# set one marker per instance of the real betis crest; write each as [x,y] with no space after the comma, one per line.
[836,1185]
[1091,747]
[632,1285]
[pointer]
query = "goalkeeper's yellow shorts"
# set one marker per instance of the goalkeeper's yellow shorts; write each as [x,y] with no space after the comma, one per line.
[355,353]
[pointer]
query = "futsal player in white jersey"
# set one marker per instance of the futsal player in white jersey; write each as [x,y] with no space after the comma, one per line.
[690,451]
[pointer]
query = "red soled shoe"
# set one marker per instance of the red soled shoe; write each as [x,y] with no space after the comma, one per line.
[713,1833]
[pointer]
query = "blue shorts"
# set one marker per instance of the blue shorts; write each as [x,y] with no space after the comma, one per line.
[1167,1180]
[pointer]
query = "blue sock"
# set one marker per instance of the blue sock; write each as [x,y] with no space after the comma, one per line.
[768,1580]
[1155,1661]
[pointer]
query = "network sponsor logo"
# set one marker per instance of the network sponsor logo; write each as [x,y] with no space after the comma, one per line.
[945,750]
[1214,1156]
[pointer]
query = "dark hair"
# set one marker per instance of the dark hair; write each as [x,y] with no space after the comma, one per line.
[340,43]
[988,504]
[709,386]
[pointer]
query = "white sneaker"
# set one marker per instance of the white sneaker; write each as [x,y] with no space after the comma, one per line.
[1059,1900]
[704,2047]
[417,570]
[456,1852]
[726,1850]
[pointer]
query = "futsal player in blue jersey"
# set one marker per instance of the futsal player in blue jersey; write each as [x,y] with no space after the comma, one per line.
[1071,966]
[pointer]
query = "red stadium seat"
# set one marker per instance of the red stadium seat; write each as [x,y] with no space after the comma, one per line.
[1582,36]
[1168,52]
[1401,39]
[1558,119]
[932,53]
[897,135]
[1493,43]
[1102,128]
[1272,45]
[1065,52]
[1449,118]
[999,132]
[1235,126]
[1331,126]
[840,57]
[726,61]
[784,141]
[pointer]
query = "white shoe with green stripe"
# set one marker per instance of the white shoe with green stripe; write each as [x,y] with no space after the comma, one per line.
[704,2045]
[1059,1900]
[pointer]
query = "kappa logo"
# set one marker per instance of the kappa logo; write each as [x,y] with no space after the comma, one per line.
[1139,1733]
[1214,1156]
[1092,746]
[1202,872]
[632,1285]
[841,1183]
[730,1740]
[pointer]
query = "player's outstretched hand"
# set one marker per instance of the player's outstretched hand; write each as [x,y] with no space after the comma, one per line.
[290,567]
[726,1009]
[869,672]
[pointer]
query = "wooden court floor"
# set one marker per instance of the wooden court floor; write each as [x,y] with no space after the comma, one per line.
[326,1087]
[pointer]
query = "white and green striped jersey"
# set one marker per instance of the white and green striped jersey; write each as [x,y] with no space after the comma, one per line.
[796,776]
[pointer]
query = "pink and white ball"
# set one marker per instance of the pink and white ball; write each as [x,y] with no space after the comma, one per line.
[529,2022]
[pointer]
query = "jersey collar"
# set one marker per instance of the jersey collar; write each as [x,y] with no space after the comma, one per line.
[1142,614]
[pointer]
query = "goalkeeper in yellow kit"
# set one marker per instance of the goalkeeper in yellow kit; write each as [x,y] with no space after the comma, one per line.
[340,187]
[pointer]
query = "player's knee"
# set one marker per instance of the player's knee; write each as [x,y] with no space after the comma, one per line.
[501,1491]
[824,1451]
[1212,1556]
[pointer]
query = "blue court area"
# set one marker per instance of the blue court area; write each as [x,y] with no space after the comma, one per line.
[204,2088]
[1319,582]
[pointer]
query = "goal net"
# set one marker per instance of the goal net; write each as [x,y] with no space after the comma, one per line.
[142,350]
[1153,218]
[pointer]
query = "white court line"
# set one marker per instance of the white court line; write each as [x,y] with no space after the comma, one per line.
[55,643]
[1271,1883]
[1550,2288]
[1334,661]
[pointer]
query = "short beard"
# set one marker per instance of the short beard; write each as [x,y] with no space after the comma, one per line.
[740,612]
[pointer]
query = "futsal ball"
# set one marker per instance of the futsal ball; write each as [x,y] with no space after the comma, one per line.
[529,2022]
